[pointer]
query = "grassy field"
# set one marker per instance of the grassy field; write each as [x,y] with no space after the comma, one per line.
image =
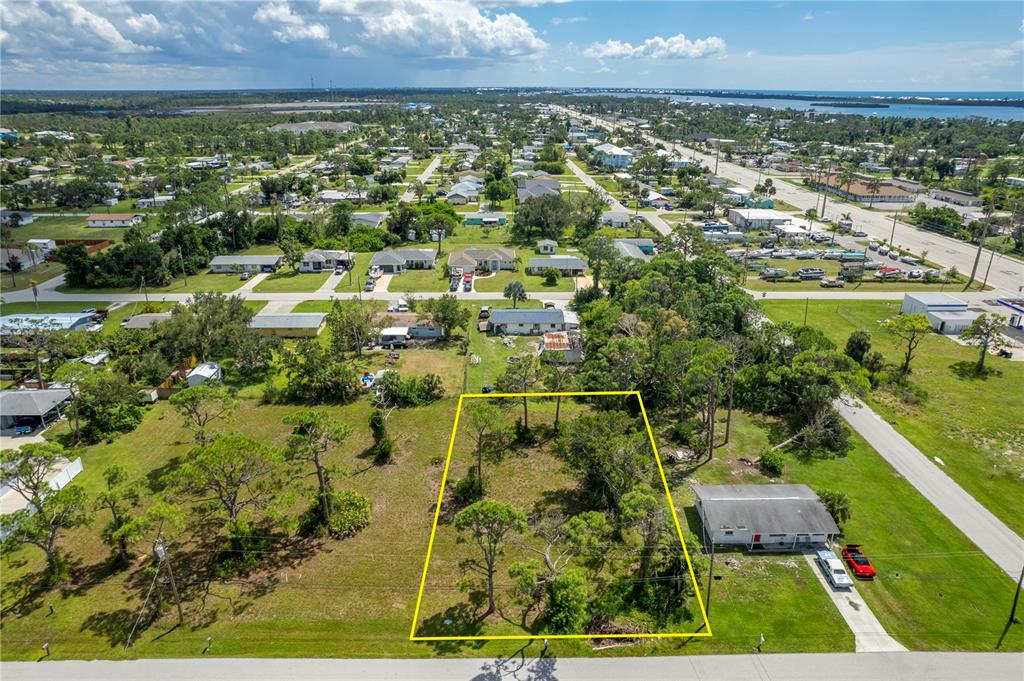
[288,281]
[24,279]
[497,282]
[927,568]
[206,281]
[419,280]
[70,227]
[973,425]
[354,281]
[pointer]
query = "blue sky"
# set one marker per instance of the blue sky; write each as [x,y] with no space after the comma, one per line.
[121,44]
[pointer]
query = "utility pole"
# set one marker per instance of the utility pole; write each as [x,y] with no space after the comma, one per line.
[892,235]
[1016,597]
[145,291]
[161,553]
[184,274]
[807,303]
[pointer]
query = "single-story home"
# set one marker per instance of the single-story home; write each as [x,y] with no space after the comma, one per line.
[529,188]
[630,250]
[41,246]
[24,217]
[336,196]
[369,219]
[15,324]
[201,373]
[561,347]
[416,326]
[488,259]
[41,406]
[486,219]
[401,259]
[319,260]
[547,246]
[766,517]
[645,245]
[229,264]
[567,265]
[158,201]
[463,193]
[532,322]
[290,325]
[616,218]
[114,220]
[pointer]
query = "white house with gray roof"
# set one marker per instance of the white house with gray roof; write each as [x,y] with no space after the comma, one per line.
[229,264]
[401,259]
[489,259]
[532,322]
[567,265]
[321,260]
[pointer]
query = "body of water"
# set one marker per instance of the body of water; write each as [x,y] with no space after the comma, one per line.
[893,108]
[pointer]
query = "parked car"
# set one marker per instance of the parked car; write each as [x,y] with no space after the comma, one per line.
[859,233]
[440,192]
[859,564]
[883,250]
[340,269]
[369,285]
[1005,353]
[915,274]
[806,273]
[454,286]
[894,255]
[467,285]
[833,569]
[485,312]
[376,272]
[245,276]
[25,425]
[832,282]
[549,305]
[872,245]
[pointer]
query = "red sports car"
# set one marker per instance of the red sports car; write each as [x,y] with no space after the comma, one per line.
[859,564]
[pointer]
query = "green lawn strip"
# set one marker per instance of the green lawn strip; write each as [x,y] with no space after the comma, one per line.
[261,249]
[533,283]
[354,280]
[420,280]
[206,281]
[972,425]
[23,279]
[288,281]
[71,227]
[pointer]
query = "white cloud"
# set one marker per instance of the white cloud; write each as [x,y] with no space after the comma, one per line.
[144,23]
[809,16]
[569,69]
[567,20]
[674,47]
[604,69]
[289,26]
[95,28]
[440,29]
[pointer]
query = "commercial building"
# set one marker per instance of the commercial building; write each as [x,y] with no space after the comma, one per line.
[946,314]
[759,219]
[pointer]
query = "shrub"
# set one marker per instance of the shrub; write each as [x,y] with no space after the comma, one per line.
[467,490]
[350,513]
[772,462]
[550,167]
[858,345]
[383,449]
[567,602]
[551,276]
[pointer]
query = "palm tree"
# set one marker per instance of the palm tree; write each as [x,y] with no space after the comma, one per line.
[874,185]
[515,292]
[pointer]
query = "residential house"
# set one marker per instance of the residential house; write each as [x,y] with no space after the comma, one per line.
[114,220]
[145,320]
[486,219]
[401,259]
[40,407]
[608,154]
[656,200]
[336,196]
[547,246]
[637,249]
[486,259]
[290,325]
[203,373]
[567,265]
[319,260]
[393,337]
[375,220]
[531,322]
[616,218]
[24,217]
[464,148]
[463,193]
[417,327]
[16,324]
[767,517]
[41,247]
[158,201]
[233,264]
[527,188]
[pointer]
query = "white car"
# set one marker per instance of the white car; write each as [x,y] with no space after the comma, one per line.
[376,272]
[915,274]
[833,569]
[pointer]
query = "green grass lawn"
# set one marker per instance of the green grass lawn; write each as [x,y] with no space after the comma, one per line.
[24,279]
[973,425]
[533,283]
[420,280]
[205,281]
[354,281]
[927,568]
[70,227]
[287,281]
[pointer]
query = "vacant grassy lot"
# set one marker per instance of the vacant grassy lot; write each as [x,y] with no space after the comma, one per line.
[206,281]
[22,280]
[70,227]
[927,568]
[419,280]
[497,282]
[973,425]
[353,281]
[288,281]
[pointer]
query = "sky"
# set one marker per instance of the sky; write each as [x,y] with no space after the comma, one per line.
[208,44]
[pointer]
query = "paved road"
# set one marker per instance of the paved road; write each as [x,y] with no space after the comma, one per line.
[409,194]
[991,535]
[657,223]
[763,667]
[868,633]
[1006,275]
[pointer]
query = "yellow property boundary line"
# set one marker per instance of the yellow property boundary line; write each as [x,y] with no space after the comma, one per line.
[706,633]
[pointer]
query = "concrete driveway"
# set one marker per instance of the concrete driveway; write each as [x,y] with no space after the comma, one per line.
[868,633]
